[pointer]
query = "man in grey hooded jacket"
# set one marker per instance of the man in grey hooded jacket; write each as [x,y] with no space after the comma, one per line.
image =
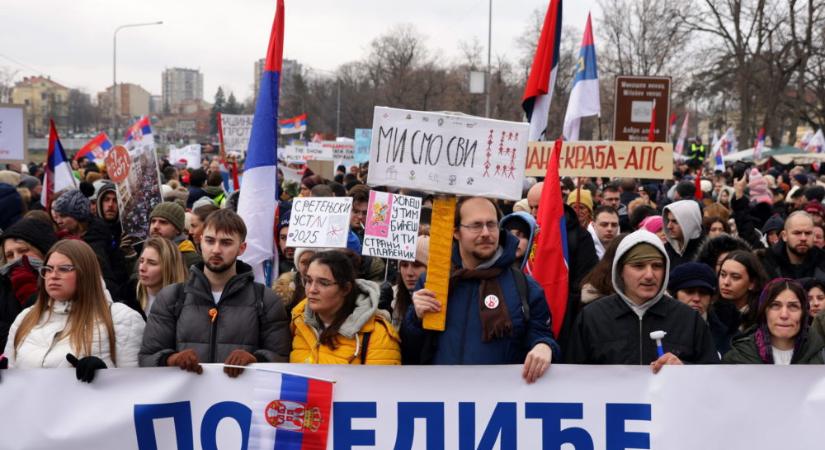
[683,230]
[616,329]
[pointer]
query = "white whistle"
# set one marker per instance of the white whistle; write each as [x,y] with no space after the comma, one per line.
[658,336]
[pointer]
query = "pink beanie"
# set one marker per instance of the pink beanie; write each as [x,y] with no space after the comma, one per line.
[652,223]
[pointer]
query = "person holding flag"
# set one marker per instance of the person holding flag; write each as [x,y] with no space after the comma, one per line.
[584,97]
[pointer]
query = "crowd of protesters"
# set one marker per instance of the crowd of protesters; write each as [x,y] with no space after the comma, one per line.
[729,266]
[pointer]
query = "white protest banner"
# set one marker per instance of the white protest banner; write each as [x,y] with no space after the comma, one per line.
[235,132]
[191,155]
[596,407]
[290,173]
[363,137]
[342,152]
[13,134]
[391,227]
[312,151]
[604,159]
[447,153]
[137,177]
[319,222]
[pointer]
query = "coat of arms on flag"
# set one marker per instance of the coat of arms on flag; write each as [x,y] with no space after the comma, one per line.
[293,416]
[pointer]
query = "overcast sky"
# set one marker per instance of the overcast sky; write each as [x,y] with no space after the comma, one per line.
[72,40]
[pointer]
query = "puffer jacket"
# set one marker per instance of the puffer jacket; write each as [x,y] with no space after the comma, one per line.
[460,342]
[40,348]
[689,217]
[180,323]
[609,331]
[382,348]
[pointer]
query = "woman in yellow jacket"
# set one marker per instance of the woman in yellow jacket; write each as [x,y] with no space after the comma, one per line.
[339,322]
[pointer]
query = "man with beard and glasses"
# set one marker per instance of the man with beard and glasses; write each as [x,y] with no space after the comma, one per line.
[795,256]
[495,313]
[219,314]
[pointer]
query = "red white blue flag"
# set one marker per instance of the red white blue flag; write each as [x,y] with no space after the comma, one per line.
[139,134]
[539,90]
[297,124]
[549,262]
[95,150]
[290,412]
[584,97]
[759,145]
[58,174]
[257,201]
[680,143]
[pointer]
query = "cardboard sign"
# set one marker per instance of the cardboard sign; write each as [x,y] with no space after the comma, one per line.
[363,137]
[138,191]
[633,107]
[235,132]
[391,229]
[191,154]
[13,146]
[454,154]
[604,159]
[319,222]
[326,169]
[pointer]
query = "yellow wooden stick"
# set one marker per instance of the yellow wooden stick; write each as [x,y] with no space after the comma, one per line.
[438,266]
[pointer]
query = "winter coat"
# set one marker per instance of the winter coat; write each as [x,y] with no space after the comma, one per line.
[189,253]
[11,205]
[608,331]
[777,264]
[745,350]
[460,342]
[195,194]
[689,217]
[177,324]
[10,306]
[531,223]
[41,349]
[112,262]
[382,347]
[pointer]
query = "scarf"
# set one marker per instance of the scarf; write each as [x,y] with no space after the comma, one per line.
[764,347]
[495,319]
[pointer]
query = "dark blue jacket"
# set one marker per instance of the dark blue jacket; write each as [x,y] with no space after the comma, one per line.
[461,342]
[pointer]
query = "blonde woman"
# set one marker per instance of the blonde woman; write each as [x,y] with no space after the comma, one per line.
[73,321]
[160,264]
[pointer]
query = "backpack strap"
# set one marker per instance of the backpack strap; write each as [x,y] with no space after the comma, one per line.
[365,341]
[521,287]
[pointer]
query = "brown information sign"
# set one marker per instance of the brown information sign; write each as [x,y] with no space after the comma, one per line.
[632,110]
[603,159]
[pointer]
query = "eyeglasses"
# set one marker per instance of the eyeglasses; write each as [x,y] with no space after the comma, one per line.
[476,227]
[64,269]
[321,282]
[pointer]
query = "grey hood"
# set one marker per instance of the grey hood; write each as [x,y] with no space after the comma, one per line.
[366,306]
[632,240]
[689,216]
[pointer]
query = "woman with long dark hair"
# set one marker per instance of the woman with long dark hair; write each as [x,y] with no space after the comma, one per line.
[741,278]
[780,335]
[339,321]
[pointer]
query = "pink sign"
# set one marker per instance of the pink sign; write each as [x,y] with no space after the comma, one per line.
[378,215]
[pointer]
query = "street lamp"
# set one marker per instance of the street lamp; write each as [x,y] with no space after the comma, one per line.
[114,70]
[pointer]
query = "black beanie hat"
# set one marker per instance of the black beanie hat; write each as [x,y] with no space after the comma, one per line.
[34,231]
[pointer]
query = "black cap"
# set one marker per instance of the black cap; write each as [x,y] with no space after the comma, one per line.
[691,275]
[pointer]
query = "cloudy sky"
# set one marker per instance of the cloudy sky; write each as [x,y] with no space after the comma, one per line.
[72,40]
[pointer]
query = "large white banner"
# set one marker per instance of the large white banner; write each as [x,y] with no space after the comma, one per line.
[235,132]
[12,134]
[448,153]
[589,407]
[190,154]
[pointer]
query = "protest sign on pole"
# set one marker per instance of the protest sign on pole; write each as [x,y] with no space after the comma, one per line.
[342,152]
[391,228]
[319,222]
[604,159]
[312,151]
[633,107]
[13,138]
[363,137]
[191,155]
[235,132]
[137,178]
[447,153]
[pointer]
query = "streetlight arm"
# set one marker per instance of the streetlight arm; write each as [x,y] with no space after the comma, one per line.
[114,68]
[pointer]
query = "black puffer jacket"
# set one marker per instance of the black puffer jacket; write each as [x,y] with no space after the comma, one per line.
[241,322]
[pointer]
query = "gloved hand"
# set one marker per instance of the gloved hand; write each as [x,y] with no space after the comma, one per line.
[85,367]
[23,281]
[238,358]
[187,360]
[127,245]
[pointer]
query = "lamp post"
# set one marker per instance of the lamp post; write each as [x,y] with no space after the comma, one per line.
[114,69]
[489,57]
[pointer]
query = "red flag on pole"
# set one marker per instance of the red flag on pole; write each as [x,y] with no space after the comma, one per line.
[651,134]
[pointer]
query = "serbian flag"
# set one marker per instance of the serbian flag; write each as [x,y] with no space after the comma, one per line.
[290,412]
[759,145]
[539,89]
[680,144]
[58,174]
[257,201]
[548,263]
[672,125]
[139,134]
[95,150]
[297,124]
[584,97]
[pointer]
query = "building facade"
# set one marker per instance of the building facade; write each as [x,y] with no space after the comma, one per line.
[43,99]
[180,85]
